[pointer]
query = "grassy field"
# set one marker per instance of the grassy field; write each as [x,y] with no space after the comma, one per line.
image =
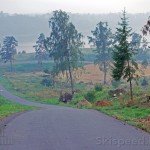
[135,115]
[7,108]
[26,82]
[28,85]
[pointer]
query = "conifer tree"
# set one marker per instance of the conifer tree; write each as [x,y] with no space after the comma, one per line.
[124,65]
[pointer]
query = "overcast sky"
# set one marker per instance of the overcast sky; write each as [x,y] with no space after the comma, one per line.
[75,6]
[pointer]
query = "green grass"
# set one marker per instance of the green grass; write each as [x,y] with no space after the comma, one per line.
[29,87]
[25,57]
[32,67]
[7,107]
[25,67]
[127,114]
[6,82]
[130,115]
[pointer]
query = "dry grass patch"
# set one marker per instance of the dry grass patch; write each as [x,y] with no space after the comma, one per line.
[45,94]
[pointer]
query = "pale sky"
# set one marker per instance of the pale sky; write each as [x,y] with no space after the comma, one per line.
[74,6]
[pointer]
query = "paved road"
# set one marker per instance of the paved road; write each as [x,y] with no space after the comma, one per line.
[62,128]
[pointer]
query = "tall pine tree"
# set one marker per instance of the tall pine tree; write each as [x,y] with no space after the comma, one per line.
[124,64]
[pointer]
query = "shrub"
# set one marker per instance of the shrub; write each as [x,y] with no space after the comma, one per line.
[90,96]
[98,87]
[116,92]
[144,82]
[65,97]
[115,83]
[47,82]
[46,71]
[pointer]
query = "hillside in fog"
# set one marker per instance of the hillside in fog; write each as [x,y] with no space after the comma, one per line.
[26,28]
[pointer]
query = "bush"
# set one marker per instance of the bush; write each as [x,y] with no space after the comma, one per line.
[47,82]
[98,87]
[46,71]
[23,52]
[90,96]
[65,97]
[144,82]
[116,92]
[115,83]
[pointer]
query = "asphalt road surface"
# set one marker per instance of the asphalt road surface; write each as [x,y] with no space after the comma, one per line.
[62,128]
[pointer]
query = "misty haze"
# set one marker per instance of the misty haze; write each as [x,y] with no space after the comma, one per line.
[74,75]
[26,28]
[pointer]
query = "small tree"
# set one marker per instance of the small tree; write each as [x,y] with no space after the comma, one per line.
[23,52]
[63,45]
[124,64]
[143,50]
[102,39]
[136,40]
[146,28]
[8,50]
[40,48]
[140,44]
[144,82]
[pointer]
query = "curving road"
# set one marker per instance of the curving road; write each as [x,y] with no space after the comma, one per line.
[62,128]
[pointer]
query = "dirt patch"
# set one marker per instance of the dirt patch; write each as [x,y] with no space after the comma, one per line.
[102,103]
[84,103]
[91,74]
[145,105]
[44,94]
[146,71]
[26,74]
[145,122]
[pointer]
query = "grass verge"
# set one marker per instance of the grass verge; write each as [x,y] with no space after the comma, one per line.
[7,108]
[135,115]
[31,90]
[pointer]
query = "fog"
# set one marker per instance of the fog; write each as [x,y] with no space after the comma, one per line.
[26,28]
[74,6]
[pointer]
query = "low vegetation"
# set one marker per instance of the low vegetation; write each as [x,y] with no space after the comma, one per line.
[87,95]
[134,115]
[7,108]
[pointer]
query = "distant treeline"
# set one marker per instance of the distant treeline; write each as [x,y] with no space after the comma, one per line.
[26,28]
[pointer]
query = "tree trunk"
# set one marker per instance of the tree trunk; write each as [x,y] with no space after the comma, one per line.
[70,72]
[104,59]
[105,72]
[11,66]
[131,90]
[71,81]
